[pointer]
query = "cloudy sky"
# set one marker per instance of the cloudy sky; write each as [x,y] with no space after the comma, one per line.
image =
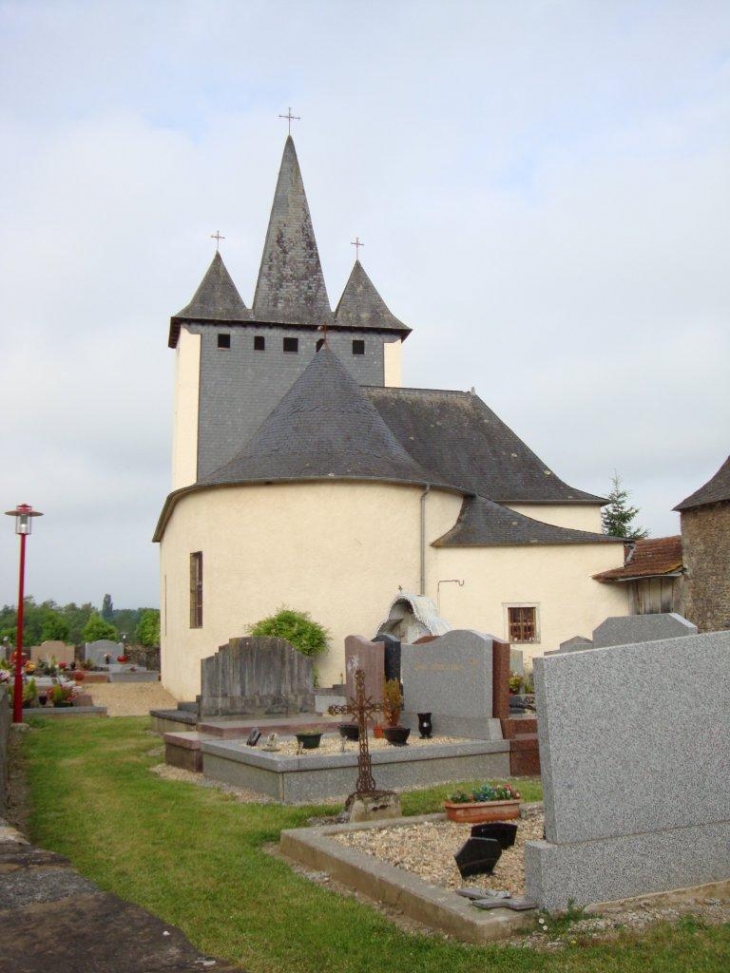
[542,188]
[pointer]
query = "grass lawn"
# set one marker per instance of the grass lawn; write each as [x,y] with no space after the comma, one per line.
[195,857]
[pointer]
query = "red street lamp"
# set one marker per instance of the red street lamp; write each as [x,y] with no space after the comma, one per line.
[23,514]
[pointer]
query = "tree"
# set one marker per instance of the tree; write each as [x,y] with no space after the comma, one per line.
[107,609]
[309,637]
[55,627]
[96,628]
[618,516]
[148,630]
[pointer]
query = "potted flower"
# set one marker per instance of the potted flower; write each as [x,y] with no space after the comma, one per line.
[61,695]
[392,701]
[494,801]
[515,682]
[122,659]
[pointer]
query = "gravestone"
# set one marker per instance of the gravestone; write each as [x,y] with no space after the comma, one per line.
[577,644]
[361,653]
[392,655]
[451,678]
[52,649]
[97,652]
[630,629]
[635,750]
[256,677]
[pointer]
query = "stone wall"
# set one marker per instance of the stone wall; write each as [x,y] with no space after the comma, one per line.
[706,550]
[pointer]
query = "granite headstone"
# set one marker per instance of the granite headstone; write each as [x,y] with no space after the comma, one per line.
[361,653]
[630,629]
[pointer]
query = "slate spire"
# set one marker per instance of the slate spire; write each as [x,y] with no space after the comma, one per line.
[216,299]
[323,427]
[361,306]
[290,287]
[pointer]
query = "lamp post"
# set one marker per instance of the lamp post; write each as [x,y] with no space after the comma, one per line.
[23,514]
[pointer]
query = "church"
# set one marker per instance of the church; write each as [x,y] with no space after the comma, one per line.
[306,476]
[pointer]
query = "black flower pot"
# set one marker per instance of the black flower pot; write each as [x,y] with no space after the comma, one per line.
[397,735]
[309,741]
[349,731]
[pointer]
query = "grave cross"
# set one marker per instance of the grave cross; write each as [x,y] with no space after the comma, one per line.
[291,118]
[362,707]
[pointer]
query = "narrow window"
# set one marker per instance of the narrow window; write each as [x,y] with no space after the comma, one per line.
[522,622]
[196,589]
[358,347]
[224,341]
[259,342]
[291,344]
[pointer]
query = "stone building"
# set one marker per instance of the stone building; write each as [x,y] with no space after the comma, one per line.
[305,475]
[705,525]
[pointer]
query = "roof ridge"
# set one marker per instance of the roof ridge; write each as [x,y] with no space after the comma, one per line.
[716,490]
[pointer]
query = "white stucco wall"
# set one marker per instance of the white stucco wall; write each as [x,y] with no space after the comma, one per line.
[392,364]
[337,550]
[579,516]
[185,418]
[340,551]
[557,580]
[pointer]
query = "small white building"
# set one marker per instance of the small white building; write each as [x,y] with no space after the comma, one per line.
[304,475]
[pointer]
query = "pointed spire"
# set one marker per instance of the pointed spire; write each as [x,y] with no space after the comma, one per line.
[323,427]
[216,299]
[362,307]
[291,288]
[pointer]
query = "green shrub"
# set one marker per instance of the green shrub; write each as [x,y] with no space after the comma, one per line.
[307,636]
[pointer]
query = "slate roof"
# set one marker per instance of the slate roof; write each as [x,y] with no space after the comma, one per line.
[460,440]
[323,427]
[648,558]
[482,523]
[216,299]
[290,287]
[716,490]
[362,307]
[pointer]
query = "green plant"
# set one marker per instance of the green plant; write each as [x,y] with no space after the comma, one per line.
[96,628]
[498,790]
[30,693]
[392,701]
[308,637]
[515,682]
[61,695]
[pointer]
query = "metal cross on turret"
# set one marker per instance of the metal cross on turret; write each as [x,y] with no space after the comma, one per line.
[361,706]
[290,118]
[217,236]
[356,244]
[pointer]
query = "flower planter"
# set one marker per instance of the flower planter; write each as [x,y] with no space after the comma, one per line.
[481,812]
[396,735]
[309,741]
[349,731]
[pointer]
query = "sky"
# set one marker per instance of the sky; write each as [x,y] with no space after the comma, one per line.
[542,188]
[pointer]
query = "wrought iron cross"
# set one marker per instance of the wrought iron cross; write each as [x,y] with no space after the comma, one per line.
[361,706]
[290,118]
[217,236]
[356,244]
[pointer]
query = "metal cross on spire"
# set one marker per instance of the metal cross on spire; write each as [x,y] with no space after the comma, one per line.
[290,118]
[356,244]
[217,236]
[362,707]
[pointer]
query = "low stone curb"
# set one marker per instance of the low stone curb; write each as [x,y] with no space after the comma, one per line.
[439,908]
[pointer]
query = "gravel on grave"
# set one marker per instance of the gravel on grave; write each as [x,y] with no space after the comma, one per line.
[332,743]
[427,850]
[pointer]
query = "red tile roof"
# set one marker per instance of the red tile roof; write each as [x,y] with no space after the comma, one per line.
[649,558]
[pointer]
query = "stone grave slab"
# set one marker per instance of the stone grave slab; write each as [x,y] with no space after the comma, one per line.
[630,629]
[451,678]
[97,651]
[636,788]
[361,653]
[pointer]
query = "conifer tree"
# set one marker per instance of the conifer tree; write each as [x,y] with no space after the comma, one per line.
[618,516]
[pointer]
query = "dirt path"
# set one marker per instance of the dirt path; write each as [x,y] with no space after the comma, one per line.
[131,698]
